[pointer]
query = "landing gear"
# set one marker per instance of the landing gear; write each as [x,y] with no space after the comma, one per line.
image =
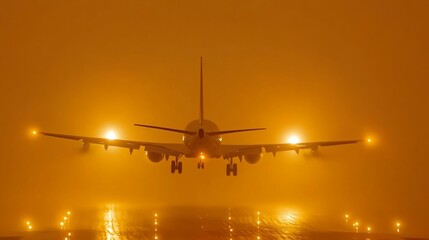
[179,167]
[176,165]
[234,169]
[200,165]
[231,168]
[173,166]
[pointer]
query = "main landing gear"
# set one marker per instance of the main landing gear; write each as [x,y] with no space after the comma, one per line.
[176,165]
[231,168]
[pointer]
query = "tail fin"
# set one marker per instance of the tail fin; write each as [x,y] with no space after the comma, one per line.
[201,92]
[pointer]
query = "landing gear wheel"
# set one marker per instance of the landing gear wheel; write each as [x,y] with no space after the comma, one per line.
[202,165]
[173,166]
[199,165]
[179,167]
[234,169]
[228,169]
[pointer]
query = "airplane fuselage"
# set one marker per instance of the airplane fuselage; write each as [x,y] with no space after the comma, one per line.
[202,145]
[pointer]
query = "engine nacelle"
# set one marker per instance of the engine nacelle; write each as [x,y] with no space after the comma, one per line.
[252,158]
[85,146]
[154,156]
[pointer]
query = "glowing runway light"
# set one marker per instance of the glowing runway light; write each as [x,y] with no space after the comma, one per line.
[258,222]
[156,225]
[369,229]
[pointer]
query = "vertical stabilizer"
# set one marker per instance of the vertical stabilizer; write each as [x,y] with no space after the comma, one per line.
[201,92]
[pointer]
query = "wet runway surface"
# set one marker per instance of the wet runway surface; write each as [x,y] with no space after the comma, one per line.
[114,223]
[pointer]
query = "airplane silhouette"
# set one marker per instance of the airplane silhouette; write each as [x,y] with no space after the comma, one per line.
[201,140]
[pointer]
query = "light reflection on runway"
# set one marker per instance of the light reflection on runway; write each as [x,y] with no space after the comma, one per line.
[117,223]
[192,223]
[111,226]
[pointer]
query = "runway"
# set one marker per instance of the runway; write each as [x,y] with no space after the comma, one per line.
[116,223]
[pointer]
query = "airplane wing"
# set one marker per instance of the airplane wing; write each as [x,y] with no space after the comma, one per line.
[230,151]
[171,149]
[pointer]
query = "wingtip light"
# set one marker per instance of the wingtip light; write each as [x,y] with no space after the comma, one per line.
[111,135]
[294,139]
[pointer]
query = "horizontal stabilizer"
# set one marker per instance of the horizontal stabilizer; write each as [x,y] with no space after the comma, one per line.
[166,129]
[234,131]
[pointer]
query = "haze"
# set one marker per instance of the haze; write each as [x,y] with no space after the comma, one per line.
[324,70]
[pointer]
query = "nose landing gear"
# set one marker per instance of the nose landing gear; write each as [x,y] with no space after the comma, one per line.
[200,165]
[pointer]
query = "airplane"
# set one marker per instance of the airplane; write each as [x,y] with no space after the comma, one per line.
[202,139]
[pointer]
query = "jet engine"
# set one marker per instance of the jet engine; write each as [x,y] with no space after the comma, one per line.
[154,156]
[252,158]
[85,146]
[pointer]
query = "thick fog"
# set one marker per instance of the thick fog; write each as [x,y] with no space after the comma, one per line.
[324,70]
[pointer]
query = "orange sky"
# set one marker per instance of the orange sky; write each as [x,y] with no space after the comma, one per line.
[326,70]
